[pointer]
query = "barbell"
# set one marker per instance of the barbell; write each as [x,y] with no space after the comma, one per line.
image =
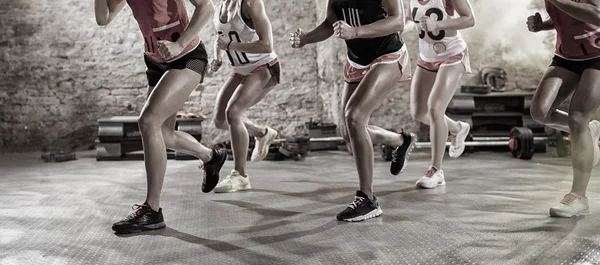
[521,142]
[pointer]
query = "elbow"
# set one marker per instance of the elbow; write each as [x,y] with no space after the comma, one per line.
[398,25]
[267,48]
[101,22]
[470,22]
[401,26]
[597,17]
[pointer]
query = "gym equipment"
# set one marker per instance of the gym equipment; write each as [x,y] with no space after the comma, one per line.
[119,138]
[520,143]
[495,77]
[476,89]
[295,148]
[58,156]
[321,130]
[495,114]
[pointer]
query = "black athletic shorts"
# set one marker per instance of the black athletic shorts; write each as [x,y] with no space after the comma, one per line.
[576,66]
[196,60]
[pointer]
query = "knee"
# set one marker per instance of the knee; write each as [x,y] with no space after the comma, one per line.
[221,124]
[436,109]
[354,120]
[577,121]
[148,122]
[233,113]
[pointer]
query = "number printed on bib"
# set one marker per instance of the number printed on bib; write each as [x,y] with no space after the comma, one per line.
[236,58]
[439,16]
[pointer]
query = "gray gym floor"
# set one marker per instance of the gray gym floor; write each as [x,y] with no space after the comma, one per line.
[493,211]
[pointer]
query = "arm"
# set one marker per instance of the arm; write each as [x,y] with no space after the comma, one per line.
[261,22]
[218,51]
[107,10]
[409,24]
[321,32]
[202,14]
[583,10]
[465,20]
[548,25]
[393,23]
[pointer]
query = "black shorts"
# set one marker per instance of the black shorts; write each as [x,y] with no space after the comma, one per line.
[196,60]
[576,66]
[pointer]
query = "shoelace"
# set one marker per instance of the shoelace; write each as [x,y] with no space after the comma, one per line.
[356,202]
[429,173]
[139,210]
[568,199]
[452,139]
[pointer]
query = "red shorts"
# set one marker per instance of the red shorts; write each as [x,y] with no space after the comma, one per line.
[461,58]
[401,57]
[273,66]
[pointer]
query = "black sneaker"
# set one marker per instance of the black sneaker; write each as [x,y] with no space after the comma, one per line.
[143,219]
[212,169]
[362,208]
[401,153]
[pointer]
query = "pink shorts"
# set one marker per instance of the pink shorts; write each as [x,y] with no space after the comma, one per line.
[401,57]
[461,58]
[273,66]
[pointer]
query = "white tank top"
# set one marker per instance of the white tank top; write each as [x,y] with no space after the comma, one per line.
[236,30]
[436,46]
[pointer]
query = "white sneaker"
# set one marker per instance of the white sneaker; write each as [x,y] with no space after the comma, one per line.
[432,179]
[233,182]
[571,205]
[457,141]
[595,131]
[261,147]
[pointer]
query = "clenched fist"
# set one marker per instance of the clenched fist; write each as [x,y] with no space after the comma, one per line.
[296,39]
[342,30]
[535,23]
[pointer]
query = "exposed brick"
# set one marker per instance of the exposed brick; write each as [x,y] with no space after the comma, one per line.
[62,72]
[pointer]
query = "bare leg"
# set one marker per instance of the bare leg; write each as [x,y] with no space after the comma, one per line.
[165,100]
[555,87]
[378,135]
[420,89]
[442,92]
[223,98]
[584,104]
[252,89]
[375,86]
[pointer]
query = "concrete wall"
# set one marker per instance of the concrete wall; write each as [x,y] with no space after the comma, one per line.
[62,72]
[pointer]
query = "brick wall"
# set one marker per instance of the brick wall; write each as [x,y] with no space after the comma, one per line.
[62,72]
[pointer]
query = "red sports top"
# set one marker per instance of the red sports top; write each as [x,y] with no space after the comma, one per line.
[161,20]
[575,40]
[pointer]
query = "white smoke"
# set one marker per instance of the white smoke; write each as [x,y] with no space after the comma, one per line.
[501,31]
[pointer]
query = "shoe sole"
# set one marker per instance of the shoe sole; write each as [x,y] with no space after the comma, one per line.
[372,214]
[420,185]
[157,226]
[558,213]
[265,149]
[595,137]
[221,163]
[413,143]
[463,145]
[232,190]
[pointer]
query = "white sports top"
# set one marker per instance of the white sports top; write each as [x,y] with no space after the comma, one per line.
[436,46]
[237,30]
